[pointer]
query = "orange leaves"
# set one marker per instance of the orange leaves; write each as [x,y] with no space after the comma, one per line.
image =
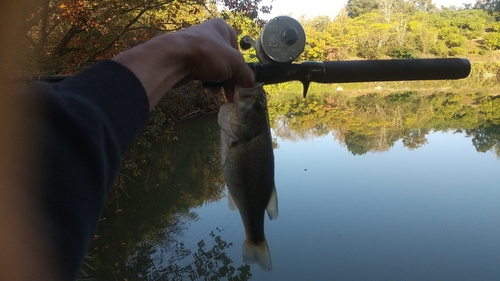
[74,11]
[79,32]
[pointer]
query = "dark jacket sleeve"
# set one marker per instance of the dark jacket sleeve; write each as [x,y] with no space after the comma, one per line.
[82,128]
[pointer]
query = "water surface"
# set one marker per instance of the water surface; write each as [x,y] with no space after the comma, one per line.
[430,213]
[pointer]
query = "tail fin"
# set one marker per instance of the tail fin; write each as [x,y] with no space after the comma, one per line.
[257,253]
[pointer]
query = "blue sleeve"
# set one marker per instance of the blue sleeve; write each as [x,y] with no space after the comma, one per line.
[82,127]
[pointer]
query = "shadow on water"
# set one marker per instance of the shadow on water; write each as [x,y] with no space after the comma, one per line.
[140,236]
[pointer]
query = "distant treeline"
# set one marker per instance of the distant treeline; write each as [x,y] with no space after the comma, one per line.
[63,36]
[373,29]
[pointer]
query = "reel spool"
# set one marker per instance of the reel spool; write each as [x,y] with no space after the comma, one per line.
[281,41]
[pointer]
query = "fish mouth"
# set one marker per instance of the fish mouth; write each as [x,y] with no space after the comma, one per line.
[256,86]
[249,93]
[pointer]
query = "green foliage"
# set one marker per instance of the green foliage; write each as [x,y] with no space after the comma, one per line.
[62,36]
[451,37]
[496,26]
[356,8]
[243,26]
[471,22]
[489,107]
[78,33]
[440,49]
[319,39]
[490,6]
[374,122]
[492,40]
[343,36]
[399,29]
[401,52]
[373,33]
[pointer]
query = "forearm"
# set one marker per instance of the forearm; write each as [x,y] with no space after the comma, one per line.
[158,64]
[82,127]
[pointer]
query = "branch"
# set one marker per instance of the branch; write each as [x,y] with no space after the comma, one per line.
[118,36]
[43,28]
[74,30]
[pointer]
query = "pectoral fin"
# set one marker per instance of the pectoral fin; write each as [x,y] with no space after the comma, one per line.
[230,202]
[272,206]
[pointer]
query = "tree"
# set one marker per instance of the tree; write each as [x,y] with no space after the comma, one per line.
[372,36]
[356,8]
[424,34]
[470,22]
[488,5]
[492,39]
[390,7]
[343,37]
[424,5]
[248,8]
[319,39]
[243,26]
[451,36]
[65,35]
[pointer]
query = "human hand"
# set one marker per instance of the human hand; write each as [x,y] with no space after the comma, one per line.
[214,56]
[207,52]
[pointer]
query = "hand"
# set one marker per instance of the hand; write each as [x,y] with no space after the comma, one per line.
[207,52]
[215,57]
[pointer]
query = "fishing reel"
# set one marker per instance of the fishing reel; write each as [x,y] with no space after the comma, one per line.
[281,41]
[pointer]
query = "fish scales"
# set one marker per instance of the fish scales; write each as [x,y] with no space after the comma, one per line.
[251,182]
[248,166]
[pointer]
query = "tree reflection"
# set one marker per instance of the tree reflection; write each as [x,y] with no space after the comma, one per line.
[415,138]
[176,262]
[163,178]
[486,138]
[141,232]
[375,122]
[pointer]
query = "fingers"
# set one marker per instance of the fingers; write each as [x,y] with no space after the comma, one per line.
[218,59]
[229,91]
[227,33]
[244,76]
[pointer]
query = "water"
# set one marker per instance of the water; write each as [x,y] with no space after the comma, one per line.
[426,214]
[430,213]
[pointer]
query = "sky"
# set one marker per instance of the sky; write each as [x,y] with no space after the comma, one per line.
[313,8]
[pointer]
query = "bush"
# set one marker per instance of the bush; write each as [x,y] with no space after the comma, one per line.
[492,41]
[439,50]
[401,52]
[455,51]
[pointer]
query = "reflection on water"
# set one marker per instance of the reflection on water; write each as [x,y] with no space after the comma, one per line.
[141,234]
[425,209]
[373,123]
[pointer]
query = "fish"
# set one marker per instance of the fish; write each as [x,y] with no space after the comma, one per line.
[248,166]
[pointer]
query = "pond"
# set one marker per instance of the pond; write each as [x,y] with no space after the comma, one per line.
[365,192]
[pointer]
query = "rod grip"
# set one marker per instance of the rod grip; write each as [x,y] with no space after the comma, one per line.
[394,70]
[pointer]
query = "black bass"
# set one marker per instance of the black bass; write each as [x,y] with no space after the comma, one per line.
[248,164]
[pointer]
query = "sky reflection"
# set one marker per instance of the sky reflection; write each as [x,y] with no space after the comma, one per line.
[430,213]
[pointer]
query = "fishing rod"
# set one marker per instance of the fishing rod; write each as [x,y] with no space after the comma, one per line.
[362,71]
[283,39]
